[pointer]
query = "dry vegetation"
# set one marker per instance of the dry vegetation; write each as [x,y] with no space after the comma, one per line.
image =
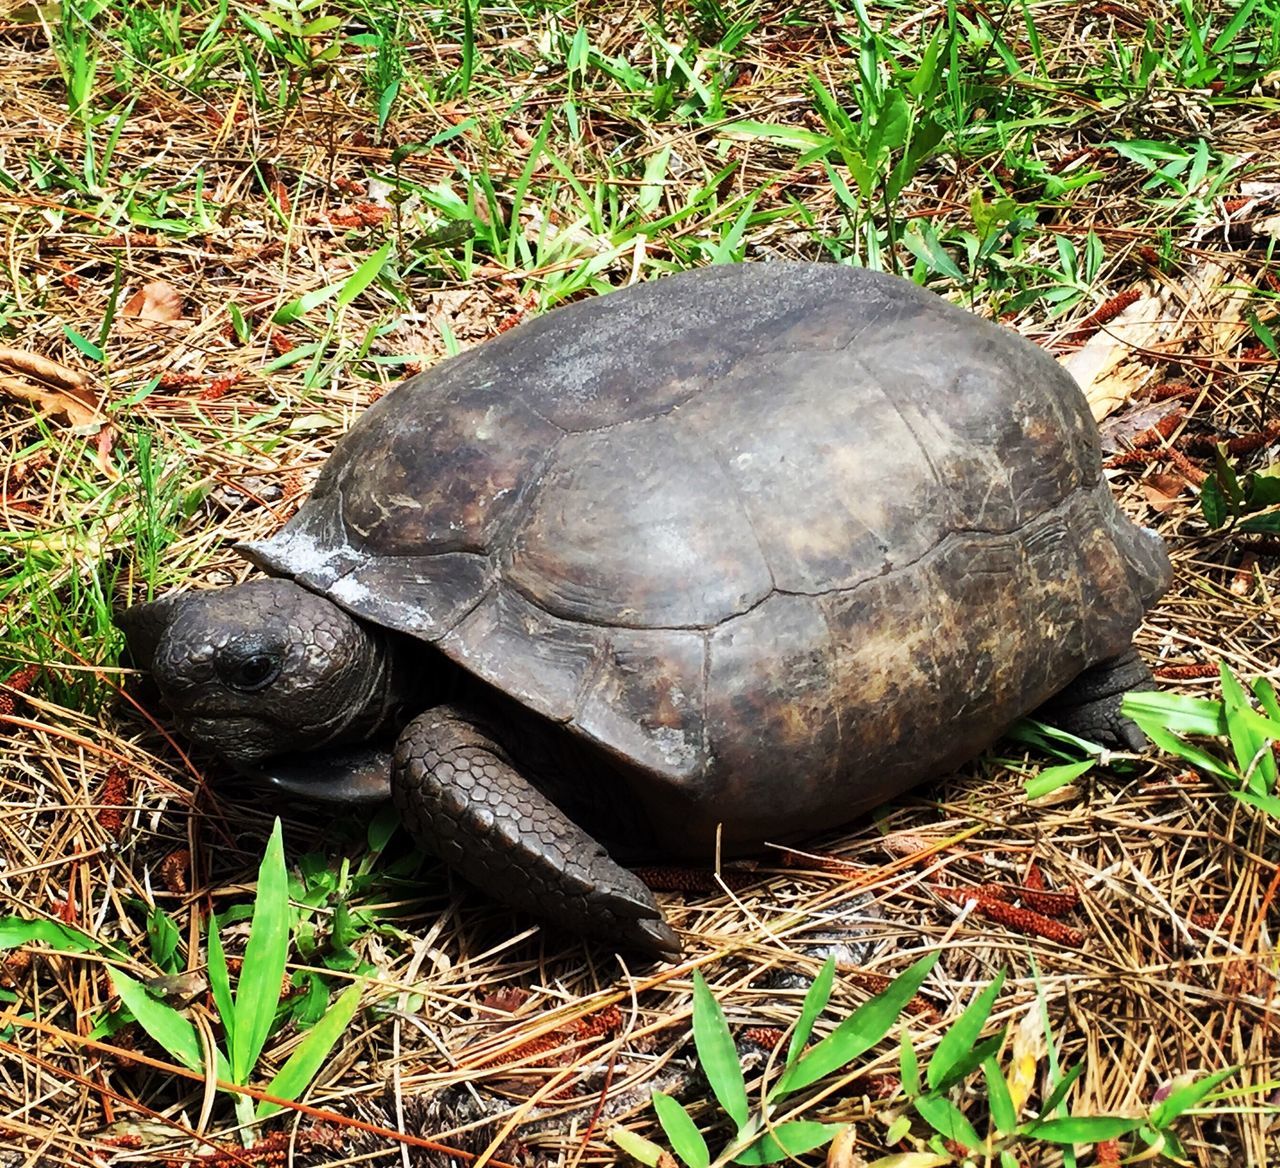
[172,177]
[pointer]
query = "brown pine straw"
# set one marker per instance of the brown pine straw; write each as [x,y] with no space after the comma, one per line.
[1177,884]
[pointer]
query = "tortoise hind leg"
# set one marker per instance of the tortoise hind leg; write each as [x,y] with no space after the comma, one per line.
[460,797]
[1089,707]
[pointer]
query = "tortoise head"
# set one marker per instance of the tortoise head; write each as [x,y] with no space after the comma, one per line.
[262,669]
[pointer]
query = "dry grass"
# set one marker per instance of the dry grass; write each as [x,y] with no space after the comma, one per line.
[482,1033]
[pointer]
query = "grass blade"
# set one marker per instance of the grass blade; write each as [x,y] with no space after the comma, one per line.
[686,1140]
[999,1098]
[163,1023]
[1051,778]
[717,1053]
[1082,1129]
[815,1001]
[364,275]
[947,1120]
[959,1040]
[262,971]
[220,981]
[1185,1096]
[866,1026]
[303,1064]
[788,1139]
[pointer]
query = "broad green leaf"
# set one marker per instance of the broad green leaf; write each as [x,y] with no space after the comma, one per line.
[15,931]
[1265,692]
[908,1064]
[364,275]
[1176,712]
[1051,778]
[717,1053]
[287,313]
[311,1052]
[1081,1129]
[686,1140]
[1261,524]
[926,247]
[1268,803]
[1213,504]
[972,1060]
[1244,744]
[1185,1096]
[637,1147]
[163,1023]
[220,980]
[1172,744]
[788,1139]
[649,198]
[999,1099]
[960,1038]
[815,1001]
[947,1120]
[262,971]
[321,25]
[86,346]
[858,1033]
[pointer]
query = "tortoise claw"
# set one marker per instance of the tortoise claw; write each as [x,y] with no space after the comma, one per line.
[460,798]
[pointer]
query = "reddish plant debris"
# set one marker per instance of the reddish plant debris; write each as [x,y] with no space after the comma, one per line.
[1022,920]
[1187,672]
[1211,919]
[1238,203]
[508,999]
[65,910]
[1168,389]
[19,682]
[133,239]
[595,1025]
[220,387]
[359,215]
[112,796]
[173,871]
[877,983]
[1104,314]
[767,1037]
[1107,1154]
[1206,444]
[272,1150]
[348,186]
[175,379]
[13,967]
[1049,904]
[280,344]
[675,879]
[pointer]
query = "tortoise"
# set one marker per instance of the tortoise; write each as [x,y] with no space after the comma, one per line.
[726,557]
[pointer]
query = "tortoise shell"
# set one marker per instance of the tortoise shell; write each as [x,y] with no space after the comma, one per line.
[781,539]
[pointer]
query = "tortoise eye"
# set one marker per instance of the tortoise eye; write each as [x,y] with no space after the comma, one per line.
[255,672]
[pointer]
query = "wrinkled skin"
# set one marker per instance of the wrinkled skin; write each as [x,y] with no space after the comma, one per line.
[265,669]
[267,673]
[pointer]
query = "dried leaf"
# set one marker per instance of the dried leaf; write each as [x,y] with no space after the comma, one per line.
[40,368]
[52,403]
[157,301]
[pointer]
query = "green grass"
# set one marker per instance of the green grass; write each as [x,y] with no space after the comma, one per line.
[327,184]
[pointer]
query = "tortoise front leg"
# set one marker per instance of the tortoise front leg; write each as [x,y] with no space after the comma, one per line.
[460,797]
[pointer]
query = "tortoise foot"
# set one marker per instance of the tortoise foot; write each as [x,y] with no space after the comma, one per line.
[1090,706]
[460,797]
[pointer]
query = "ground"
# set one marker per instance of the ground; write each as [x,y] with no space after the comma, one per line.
[228,228]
